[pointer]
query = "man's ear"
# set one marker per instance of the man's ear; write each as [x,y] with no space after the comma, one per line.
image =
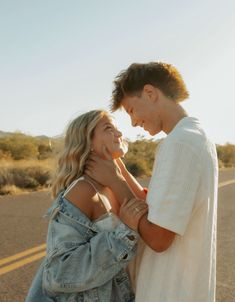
[151,92]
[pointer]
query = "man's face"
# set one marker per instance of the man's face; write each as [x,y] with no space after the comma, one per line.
[143,112]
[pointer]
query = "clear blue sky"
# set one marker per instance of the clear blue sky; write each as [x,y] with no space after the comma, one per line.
[59,58]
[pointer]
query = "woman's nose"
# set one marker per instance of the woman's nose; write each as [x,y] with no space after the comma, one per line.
[118,133]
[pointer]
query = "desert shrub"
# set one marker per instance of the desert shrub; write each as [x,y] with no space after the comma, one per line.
[5,155]
[19,146]
[226,154]
[10,190]
[25,177]
[44,149]
[21,179]
[3,177]
[41,175]
[140,157]
[137,167]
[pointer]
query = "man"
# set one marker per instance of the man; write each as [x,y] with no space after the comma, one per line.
[179,260]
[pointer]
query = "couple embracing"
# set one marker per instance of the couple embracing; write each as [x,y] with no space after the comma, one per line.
[111,240]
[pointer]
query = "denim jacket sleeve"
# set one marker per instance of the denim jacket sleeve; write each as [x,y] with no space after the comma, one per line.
[78,263]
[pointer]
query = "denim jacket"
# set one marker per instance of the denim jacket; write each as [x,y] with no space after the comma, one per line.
[82,262]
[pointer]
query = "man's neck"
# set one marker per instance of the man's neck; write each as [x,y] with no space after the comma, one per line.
[172,116]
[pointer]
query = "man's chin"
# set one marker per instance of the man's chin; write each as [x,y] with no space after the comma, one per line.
[153,133]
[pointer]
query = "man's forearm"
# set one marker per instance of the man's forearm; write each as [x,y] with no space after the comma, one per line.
[156,237]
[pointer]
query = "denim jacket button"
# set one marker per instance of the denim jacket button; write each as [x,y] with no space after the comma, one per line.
[131,237]
[125,256]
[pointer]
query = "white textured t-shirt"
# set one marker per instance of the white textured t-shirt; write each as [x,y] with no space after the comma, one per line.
[182,197]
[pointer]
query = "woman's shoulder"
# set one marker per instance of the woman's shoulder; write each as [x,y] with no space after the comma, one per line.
[83,195]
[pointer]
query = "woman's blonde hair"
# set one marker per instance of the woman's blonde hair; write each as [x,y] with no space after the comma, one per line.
[77,146]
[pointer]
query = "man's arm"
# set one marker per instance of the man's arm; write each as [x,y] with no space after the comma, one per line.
[156,237]
[108,174]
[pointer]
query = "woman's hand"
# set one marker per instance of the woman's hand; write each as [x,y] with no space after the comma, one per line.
[131,212]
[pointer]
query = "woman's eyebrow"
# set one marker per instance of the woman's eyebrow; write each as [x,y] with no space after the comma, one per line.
[107,124]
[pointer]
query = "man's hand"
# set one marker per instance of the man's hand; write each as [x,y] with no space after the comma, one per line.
[131,212]
[103,170]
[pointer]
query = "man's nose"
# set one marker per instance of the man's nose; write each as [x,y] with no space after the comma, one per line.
[133,122]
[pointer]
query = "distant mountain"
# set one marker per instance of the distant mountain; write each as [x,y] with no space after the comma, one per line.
[40,137]
[3,133]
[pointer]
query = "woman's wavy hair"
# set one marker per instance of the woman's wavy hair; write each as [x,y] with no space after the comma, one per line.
[77,146]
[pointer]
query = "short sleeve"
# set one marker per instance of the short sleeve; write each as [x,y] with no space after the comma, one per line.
[173,186]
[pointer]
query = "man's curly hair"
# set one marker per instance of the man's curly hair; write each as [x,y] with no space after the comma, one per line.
[130,82]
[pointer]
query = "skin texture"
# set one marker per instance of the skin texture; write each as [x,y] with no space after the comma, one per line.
[154,112]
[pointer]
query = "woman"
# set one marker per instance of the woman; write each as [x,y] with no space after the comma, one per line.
[91,239]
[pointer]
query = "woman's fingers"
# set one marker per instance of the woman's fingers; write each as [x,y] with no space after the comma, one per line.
[134,206]
[139,212]
[130,203]
[131,212]
[126,200]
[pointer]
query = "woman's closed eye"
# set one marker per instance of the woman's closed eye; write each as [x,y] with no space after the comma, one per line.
[108,128]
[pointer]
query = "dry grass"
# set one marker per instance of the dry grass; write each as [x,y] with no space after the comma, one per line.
[9,163]
[25,175]
[11,190]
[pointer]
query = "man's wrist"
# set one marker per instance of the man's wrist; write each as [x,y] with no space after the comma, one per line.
[143,218]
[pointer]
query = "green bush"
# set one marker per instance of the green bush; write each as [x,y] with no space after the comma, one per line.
[140,157]
[137,167]
[226,155]
[19,146]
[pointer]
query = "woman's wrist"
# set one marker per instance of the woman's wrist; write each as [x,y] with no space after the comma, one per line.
[121,166]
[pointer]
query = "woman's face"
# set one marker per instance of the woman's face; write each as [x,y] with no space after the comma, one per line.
[107,137]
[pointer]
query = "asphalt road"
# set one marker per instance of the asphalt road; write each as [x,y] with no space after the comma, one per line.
[22,228]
